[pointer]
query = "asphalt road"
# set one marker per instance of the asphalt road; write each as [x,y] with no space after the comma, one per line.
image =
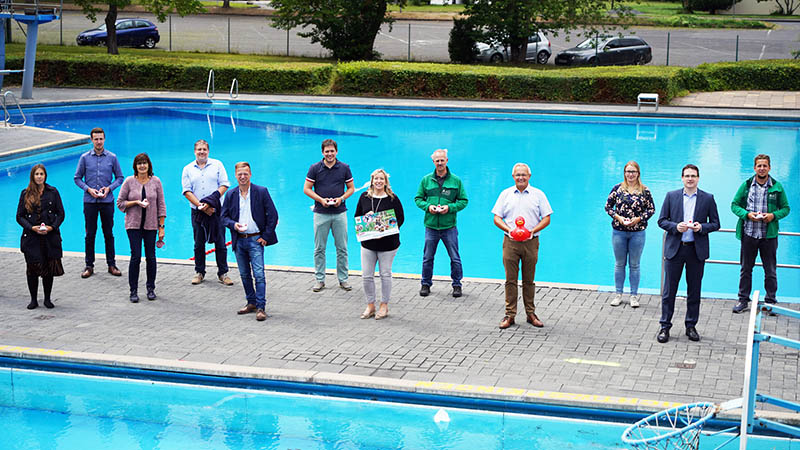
[254,35]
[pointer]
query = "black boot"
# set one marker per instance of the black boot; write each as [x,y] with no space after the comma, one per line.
[48,304]
[134,296]
[33,304]
[151,293]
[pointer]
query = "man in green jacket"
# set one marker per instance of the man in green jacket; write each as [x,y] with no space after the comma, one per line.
[759,203]
[441,195]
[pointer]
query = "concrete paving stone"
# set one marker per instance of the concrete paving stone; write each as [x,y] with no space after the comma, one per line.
[389,373]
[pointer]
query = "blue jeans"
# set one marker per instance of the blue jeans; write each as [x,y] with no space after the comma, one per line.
[336,224]
[250,258]
[450,239]
[628,246]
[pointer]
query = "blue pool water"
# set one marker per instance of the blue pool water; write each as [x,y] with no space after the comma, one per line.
[575,161]
[44,410]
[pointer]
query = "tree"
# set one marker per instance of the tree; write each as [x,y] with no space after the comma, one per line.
[461,45]
[509,23]
[158,7]
[711,6]
[345,27]
[785,7]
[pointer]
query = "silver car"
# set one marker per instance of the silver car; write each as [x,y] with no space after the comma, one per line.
[538,50]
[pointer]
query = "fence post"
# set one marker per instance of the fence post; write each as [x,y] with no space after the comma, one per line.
[737,48]
[408,58]
[287,42]
[229,34]
[667,48]
[61,29]
[170,32]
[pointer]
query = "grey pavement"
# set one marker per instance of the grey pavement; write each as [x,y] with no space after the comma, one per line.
[586,346]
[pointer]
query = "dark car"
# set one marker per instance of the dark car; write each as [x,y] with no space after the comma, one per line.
[607,51]
[130,33]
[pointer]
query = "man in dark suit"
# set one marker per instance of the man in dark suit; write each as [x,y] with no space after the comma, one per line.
[250,214]
[687,215]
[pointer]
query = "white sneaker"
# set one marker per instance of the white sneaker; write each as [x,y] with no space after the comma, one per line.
[617,300]
[634,301]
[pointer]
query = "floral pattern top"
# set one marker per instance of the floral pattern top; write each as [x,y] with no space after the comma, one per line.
[629,206]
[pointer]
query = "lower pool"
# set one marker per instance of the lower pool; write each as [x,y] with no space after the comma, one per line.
[576,159]
[61,411]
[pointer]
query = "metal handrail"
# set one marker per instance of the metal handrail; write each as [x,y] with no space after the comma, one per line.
[235,83]
[210,84]
[721,261]
[7,115]
[8,6]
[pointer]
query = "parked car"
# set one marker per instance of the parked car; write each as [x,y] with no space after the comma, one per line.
[130,33]
[609,51]
[538,50]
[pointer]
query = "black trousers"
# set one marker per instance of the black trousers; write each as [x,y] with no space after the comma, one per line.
[220,251]
[106,213]
[768,248]
[136,237]
[673,268]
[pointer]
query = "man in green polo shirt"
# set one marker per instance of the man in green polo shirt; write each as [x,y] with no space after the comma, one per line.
[441,195]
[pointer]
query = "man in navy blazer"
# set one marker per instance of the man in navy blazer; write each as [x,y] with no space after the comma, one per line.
[250,214]
[687,215]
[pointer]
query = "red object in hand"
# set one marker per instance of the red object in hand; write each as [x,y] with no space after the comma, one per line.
[520,233]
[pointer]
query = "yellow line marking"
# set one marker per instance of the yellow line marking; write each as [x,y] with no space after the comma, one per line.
[589,361]
[41,351]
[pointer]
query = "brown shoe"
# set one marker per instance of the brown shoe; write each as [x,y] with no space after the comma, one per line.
[249,308]
[506,322]
[533,320]
[226,280]
[261,315]
[114,271]
[87,272]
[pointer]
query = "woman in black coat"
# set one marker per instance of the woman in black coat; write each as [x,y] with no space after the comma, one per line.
[40,213]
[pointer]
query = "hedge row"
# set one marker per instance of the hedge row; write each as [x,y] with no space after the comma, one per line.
[395,79]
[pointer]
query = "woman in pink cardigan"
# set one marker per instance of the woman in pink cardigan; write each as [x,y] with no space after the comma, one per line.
[141,198]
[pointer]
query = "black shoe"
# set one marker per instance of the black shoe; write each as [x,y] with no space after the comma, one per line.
[134,297]
[456,291]
[33,304]
[741,307]
[770,301]
[151,294]
[425,290]
[663,336]
[48,304]
[692,333]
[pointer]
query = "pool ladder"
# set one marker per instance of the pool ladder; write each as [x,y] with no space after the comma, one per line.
[234,92]
[7,115]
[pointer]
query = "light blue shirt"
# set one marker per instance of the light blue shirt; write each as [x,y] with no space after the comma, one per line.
[245,215]
[203,181]
[531,204]
[689,202]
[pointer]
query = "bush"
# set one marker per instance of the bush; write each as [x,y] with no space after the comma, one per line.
[711,6]
[461,45]
[776,75]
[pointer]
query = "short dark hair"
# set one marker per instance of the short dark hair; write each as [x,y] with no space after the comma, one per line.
[142,157]
[762,156]
[97,130]
[328,143]
[690,166]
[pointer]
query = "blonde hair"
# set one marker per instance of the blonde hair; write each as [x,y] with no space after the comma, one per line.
[637,187]
[388,188]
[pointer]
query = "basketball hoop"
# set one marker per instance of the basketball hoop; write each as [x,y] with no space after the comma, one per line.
[676,428]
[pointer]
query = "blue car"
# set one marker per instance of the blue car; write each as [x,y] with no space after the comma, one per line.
[130,33]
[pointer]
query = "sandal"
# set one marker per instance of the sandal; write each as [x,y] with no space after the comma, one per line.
[382,314]
[367,314]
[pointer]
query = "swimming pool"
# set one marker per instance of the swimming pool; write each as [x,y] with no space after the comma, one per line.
[575,160]
[50,410]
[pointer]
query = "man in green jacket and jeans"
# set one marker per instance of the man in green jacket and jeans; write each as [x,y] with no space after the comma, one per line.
[759,203]
[441,195]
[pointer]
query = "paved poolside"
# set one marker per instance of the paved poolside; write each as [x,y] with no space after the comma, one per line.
[438,343]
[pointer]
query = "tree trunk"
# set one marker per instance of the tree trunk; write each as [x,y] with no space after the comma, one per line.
[519,47]
[111,30]
[226,3]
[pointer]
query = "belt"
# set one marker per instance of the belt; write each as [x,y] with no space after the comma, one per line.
[244,236]
[687,243]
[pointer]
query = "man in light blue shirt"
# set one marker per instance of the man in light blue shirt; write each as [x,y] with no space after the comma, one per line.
[204,181]
[521,200]
[94,174]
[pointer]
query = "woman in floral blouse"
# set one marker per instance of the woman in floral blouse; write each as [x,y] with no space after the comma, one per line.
[630,205]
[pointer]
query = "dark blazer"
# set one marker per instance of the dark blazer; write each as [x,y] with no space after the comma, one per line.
[51,213]
[705,212]
[261,208]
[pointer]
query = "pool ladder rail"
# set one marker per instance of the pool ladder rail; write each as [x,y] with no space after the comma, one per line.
[234,92]
[7,115]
